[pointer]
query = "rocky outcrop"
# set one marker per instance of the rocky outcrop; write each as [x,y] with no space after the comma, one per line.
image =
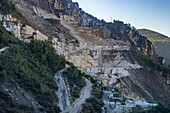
[143,45]
[126,32]
[20,30]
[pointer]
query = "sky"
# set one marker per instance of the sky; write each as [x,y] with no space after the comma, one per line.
[150,14]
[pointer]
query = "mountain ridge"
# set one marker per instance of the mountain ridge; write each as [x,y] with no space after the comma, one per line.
[146,32]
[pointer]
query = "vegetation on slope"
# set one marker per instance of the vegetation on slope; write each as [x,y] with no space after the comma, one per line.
[6,38]
[53,21]
[75,80]
[151,34]
[159,40]
[94,104]
[7,7]
[9,106]
[31,65]
[145,60]
[162,49]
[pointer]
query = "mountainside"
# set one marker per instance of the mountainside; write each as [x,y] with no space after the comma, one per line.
[53,33]
[160,41]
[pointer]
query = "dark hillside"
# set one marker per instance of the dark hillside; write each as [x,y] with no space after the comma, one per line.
[160,41]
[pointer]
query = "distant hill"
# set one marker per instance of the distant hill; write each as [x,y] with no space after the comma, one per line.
[152,34]
[160,41]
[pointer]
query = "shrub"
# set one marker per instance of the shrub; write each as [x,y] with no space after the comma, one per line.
[95,103]
[75,80]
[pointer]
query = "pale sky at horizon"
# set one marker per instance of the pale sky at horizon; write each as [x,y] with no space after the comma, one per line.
[149,14]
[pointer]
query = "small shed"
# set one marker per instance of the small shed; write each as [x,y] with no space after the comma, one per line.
[115,94]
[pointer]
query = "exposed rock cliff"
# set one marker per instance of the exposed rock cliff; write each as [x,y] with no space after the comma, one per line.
[68,11]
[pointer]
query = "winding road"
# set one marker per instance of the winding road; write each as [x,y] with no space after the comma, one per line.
[62,92]
[76,105]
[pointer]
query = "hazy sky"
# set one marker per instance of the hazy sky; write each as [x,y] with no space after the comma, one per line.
[150,14]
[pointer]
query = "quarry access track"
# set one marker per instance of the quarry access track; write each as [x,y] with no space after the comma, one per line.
[76,105]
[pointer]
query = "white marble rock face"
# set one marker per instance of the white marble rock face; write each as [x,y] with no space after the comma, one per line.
[11,24]
[91,58]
